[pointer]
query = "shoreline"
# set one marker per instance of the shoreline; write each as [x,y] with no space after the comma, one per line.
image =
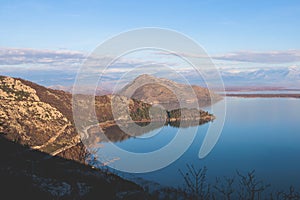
[296,96]
[107,124]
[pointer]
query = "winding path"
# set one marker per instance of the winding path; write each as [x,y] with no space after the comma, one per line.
[52,139]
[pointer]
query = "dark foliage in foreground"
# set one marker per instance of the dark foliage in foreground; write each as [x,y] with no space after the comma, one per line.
[241,187]
[30,174]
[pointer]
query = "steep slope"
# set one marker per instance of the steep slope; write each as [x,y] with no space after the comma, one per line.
[42,119]
[34,116]
[161,91]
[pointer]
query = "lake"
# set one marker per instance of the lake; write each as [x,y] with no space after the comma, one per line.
[259,133]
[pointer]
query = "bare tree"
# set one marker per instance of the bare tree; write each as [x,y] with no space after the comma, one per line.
[225,189]
[195,180]
[250,187]
[290,195]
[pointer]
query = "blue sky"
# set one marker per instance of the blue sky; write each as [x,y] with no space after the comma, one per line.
[218,25]
[45,41]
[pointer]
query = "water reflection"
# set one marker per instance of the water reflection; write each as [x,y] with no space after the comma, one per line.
[114,133]
[260,134]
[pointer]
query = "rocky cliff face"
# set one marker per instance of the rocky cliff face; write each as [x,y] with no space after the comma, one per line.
[30,115]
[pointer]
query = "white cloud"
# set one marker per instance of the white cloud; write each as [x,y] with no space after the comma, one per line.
[270,57]
[60,66]
[19,56]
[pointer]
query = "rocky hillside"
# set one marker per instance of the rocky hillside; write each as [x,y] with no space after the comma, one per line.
[161,91]
[37,131]
[39,118]
[38,143]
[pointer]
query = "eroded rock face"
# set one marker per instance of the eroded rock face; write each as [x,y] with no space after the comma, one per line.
[25,119]
[12,89]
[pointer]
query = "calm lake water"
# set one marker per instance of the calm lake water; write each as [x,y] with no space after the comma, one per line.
[263,92]
[259,133]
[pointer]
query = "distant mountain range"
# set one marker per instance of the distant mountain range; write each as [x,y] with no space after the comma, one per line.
[283,77]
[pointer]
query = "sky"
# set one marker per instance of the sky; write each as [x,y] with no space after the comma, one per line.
[220,26]
[230,31]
